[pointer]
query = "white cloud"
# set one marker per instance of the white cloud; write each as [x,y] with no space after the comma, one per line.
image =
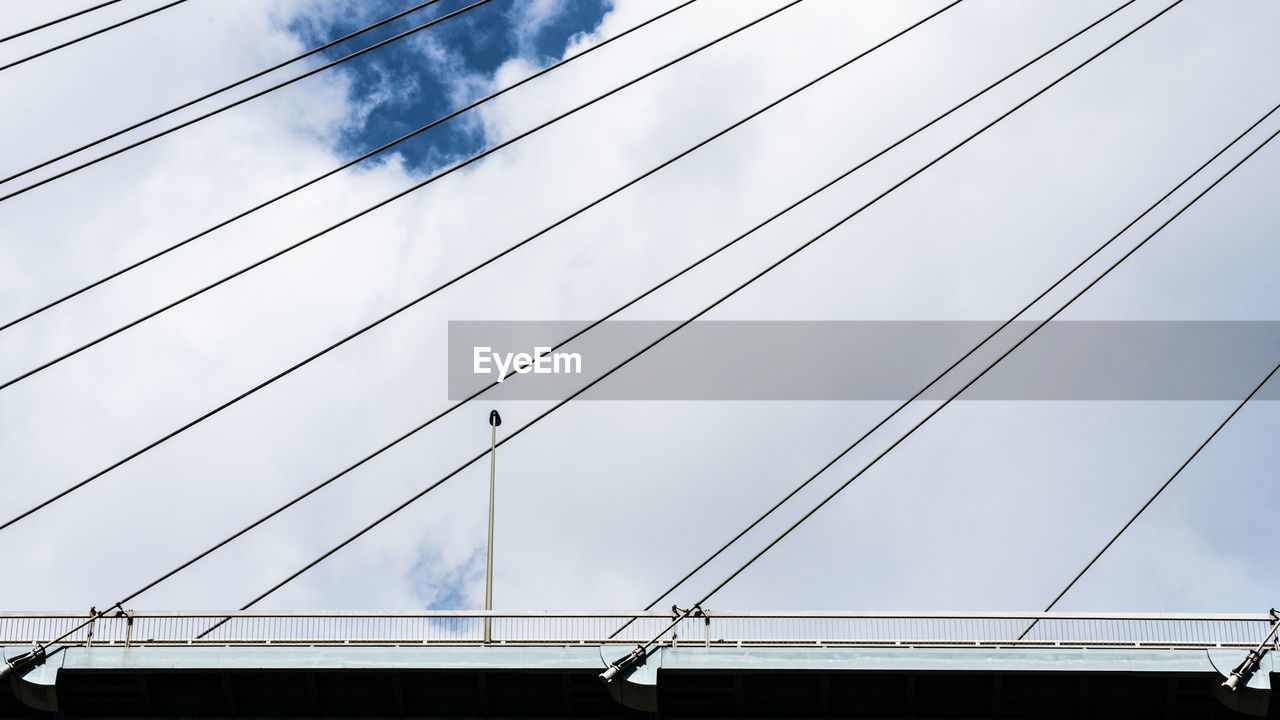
[530,19]
[993,506]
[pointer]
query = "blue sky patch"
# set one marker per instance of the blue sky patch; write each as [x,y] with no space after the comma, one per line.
[411,82]
[449,588]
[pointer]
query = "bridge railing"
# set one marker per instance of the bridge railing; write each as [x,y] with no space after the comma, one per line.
[715,629]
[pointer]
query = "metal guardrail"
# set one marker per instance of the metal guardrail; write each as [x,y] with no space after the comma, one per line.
[715,629]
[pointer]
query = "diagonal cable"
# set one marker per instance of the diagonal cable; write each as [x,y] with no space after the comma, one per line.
[1152,499]
[225,88]
[382,203]
[64,18]
[399,310]
[639,653]
[233,104]
[86,36]
[947,371]
[699,314]
[558,345]
[354,161]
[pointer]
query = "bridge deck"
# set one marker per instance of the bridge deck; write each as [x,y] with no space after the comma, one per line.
[798,665]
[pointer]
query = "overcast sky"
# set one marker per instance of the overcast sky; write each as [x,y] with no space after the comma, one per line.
[990,506]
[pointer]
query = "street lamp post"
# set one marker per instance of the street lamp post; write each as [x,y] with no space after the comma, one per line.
[494,421]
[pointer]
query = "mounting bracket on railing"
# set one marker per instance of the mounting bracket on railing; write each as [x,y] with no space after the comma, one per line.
[677,613]
[128,628]
[93,618]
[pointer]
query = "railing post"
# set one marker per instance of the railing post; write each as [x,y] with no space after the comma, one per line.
[93,618]
[128,627]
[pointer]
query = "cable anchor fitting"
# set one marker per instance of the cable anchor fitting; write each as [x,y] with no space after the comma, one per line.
[622,664]
[1242,672]
[33,657]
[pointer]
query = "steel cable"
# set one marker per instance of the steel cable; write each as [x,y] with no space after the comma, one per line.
[376,151]
[952,397]
[699,314]
[382,203]
[224,88]
[64,18]
[383,319]
[1155,495]
[947,371]
[84,37]
[235,103]
[558,345]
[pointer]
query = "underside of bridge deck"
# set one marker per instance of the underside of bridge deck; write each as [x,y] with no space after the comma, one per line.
[681,694]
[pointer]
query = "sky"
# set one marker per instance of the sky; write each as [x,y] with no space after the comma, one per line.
[991,505]
[437,70]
